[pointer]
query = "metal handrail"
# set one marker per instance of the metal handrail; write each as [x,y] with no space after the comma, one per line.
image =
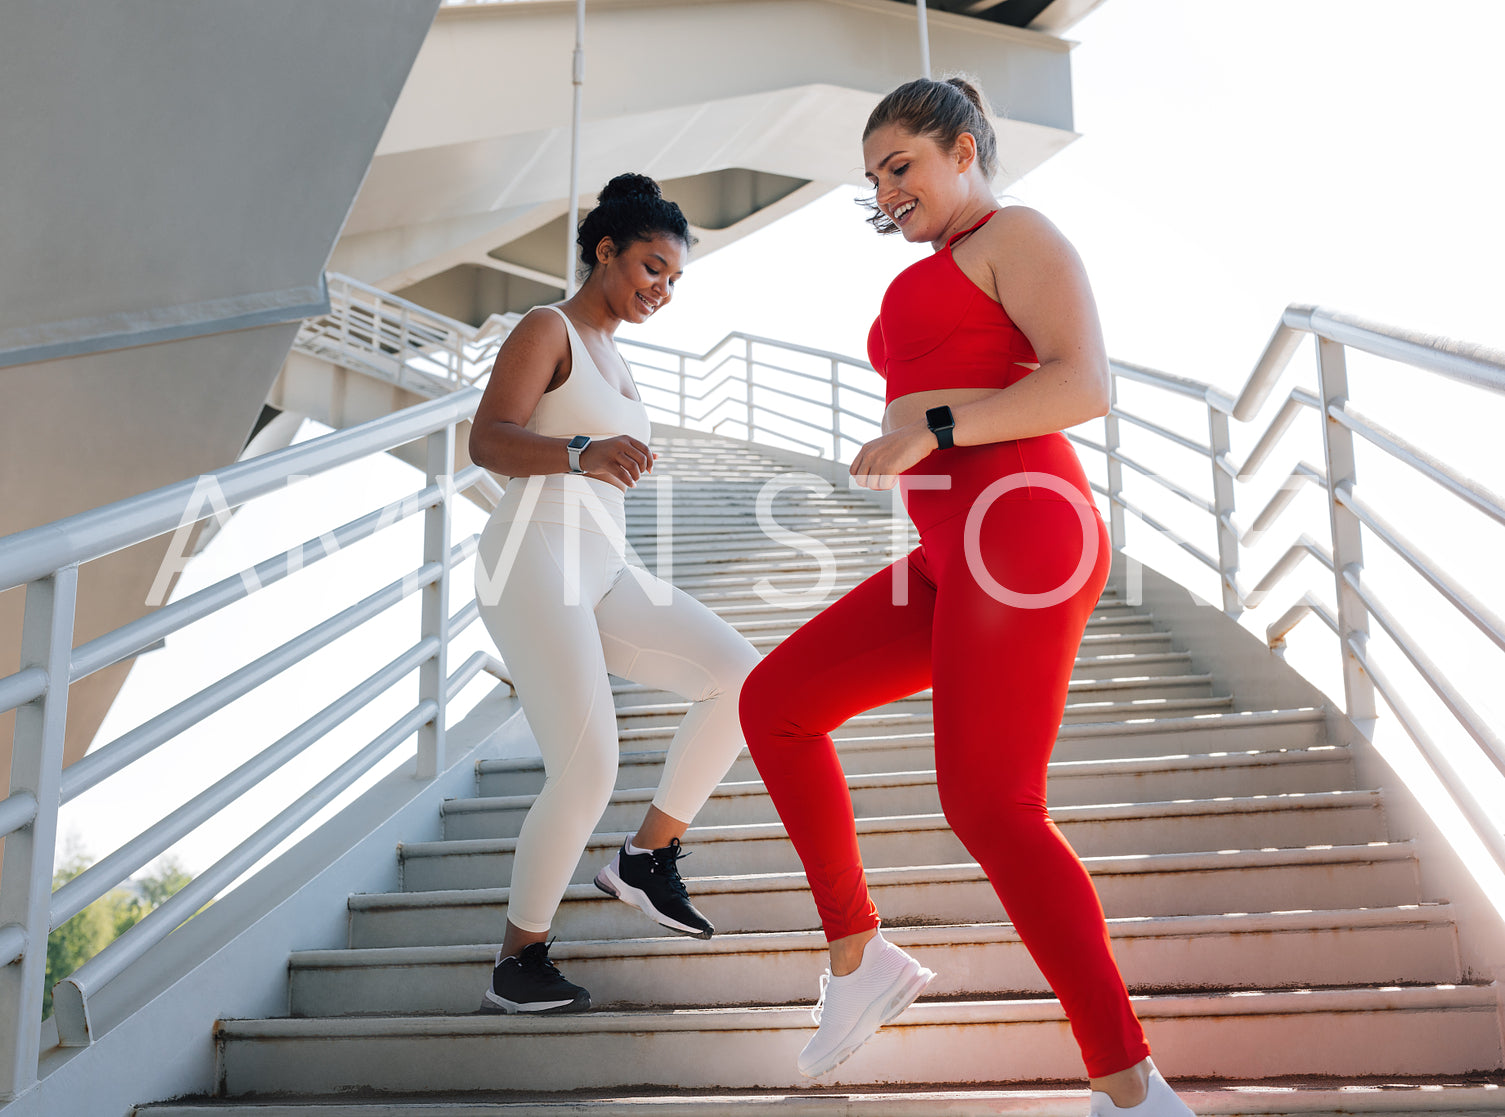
[1474,365]
[46,561]
[36,552]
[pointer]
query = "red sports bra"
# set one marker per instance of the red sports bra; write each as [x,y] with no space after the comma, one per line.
[937,329]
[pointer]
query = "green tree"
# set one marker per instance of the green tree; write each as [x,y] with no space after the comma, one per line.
[105,920]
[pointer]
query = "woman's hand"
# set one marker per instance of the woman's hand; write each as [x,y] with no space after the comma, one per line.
[879,463]
[619,461]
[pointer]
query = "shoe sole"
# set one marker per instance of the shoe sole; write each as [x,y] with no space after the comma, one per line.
[492,1005]
[877,1015]
[608,881]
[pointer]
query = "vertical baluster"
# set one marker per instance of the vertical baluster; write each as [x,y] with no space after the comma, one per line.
[36,766]
[403,341]
[1223,497]
[835,411]
[1115,469]
[684,389]
[747,368]
[1348,551]
[434,672]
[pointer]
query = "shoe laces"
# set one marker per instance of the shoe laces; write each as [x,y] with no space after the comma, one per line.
[535,958]
[664,865]
[820,1003]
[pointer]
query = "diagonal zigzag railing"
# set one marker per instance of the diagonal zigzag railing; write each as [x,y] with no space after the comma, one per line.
[778,394]
[784,394]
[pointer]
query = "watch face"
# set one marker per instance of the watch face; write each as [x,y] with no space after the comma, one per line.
[579,442]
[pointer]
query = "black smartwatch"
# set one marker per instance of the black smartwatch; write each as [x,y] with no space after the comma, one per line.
[941,424]
[574,447]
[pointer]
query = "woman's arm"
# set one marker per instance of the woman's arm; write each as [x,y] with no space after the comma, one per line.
[1039,279]
[528,363]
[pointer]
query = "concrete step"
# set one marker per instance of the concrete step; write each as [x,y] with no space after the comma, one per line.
[1070,783]
[1388,946]
[1404,1030]
[1145,665]
[878,751]
[1104,612]
[1339,817]
[917,718]
[1392,1095]
[636,715]
[750,606]
[1153,884]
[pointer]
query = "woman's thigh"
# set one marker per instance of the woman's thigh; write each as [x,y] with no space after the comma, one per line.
[870,647]
[656,634]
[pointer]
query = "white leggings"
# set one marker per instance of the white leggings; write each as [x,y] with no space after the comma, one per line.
[560,635]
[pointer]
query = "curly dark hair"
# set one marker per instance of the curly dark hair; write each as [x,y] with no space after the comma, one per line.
[629,208]
[942,110]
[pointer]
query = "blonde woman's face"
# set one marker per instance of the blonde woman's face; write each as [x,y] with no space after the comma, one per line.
[919,184]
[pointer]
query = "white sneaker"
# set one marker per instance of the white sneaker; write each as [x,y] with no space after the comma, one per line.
[854,1006]
[1160,1101]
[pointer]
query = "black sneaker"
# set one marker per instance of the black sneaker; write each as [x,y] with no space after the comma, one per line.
[650,882]
[529,982]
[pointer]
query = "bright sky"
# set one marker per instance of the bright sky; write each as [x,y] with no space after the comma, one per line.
[1234,158]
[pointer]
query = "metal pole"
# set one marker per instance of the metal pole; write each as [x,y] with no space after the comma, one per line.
[1348,549]
[577,76]
[433,673]
[1224,499]
[37,768]
[924,40]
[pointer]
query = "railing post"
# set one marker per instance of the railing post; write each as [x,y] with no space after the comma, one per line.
[433,674]
[747,368]
[835,411]
[1348,552]
[684,392]
[1115,468]
[36,766]
[1223,497]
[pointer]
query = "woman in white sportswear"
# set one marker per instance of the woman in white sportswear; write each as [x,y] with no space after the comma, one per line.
[561,418]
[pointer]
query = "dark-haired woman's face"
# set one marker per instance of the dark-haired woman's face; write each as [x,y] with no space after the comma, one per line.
[919,184]
[640,277]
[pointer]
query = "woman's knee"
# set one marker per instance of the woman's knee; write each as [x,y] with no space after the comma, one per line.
[988,820]
[764,705]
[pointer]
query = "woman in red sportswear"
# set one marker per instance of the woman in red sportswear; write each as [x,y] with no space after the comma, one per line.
[990,348]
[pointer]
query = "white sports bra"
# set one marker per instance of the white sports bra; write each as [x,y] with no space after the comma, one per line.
[586,403]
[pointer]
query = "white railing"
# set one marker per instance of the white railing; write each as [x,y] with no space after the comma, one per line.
[1353,522]
[398,341]
[46,561]
[744,386]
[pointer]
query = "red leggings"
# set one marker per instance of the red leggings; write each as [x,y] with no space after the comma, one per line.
[998,670]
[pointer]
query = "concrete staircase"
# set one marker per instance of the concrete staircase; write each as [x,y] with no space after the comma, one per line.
[1270,926]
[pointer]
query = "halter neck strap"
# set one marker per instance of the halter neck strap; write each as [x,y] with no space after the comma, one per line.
[986,218]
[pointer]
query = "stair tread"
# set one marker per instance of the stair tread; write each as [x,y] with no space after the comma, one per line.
[1212,719]
[922,1013]
[1084,769]
[1209,1098]
[764,941]
[931,874]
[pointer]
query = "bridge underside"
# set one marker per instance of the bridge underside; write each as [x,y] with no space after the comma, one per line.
[744,109]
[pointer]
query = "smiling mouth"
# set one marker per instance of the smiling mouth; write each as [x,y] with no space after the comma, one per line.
[901,212]
[648,306]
